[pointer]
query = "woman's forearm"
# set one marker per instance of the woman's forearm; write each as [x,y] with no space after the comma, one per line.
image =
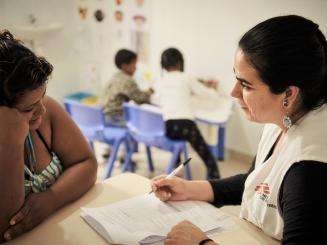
[11,181]
[74,182]
[200,190]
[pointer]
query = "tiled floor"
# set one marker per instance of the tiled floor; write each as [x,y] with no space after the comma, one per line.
[233,164]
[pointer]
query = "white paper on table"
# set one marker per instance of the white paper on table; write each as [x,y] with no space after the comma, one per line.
[145,219]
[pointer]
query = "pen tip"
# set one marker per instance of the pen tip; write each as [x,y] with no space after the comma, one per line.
[187,161]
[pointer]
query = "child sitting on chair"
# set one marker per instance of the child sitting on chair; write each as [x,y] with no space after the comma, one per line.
[175,90]
[122,88]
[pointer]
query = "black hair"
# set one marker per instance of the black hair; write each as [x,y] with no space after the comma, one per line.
[171,58]
[124,56]
[20,69]
[289,51]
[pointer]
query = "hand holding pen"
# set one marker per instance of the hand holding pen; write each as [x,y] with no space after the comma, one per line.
[170,187]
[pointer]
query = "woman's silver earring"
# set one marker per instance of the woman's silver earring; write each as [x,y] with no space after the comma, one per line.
[287,122]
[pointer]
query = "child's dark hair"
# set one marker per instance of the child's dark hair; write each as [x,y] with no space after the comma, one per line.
[171,58]
[290,51]
[124,56]
[20,69]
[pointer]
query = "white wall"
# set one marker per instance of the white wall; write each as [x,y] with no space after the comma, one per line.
[206,31]
[81,50]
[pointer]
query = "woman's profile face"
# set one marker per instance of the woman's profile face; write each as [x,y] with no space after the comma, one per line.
[32,101]
[253,96]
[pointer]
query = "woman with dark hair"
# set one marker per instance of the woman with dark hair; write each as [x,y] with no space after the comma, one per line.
[45,162]
[281,81]
[175,90]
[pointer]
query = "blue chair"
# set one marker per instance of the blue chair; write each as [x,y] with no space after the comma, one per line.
[91,121]
[88,119]
[148,127]
[217,150]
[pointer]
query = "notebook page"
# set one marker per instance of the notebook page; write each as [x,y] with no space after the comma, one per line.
[131,220]
[195,211]
[145,216]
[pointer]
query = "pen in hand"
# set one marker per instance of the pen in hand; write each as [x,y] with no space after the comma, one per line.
[176,171]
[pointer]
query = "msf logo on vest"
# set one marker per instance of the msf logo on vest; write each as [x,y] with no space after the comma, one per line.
[263,191]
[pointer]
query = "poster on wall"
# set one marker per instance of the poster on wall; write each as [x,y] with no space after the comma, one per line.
[118,27]
[119,2]
[119,16]
[82,12]
[139,3]
[130,27]
[140,37]
[92,42]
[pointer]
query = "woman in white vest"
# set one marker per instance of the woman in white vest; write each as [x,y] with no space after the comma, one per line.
[281,81]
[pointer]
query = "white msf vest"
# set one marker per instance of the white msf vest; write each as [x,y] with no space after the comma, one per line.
[306,140]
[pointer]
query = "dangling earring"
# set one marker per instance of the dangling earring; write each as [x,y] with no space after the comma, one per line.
[287,122]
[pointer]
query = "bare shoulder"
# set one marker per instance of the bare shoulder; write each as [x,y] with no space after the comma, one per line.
[53,107]
[53,110]
[67,140]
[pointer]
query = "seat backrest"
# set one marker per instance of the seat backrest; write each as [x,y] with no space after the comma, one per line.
[85,115]
[143,121]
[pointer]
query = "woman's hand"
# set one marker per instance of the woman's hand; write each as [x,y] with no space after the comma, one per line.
[14,124]
[174,189]
[37,207]
[185,233]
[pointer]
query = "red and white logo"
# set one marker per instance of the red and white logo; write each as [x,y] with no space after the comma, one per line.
[263,191]
[262,188]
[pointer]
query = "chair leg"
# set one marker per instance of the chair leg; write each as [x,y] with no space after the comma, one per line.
[187,169]
[112,158]
[135,146]
[127,166]
[150,162]
[176,152]
[221,142]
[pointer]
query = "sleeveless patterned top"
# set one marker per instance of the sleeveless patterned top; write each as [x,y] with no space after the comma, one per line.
[39,182]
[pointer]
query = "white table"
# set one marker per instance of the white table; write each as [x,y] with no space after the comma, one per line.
[67,227]
[211,116]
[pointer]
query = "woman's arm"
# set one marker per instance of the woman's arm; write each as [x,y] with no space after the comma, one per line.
[11,181]
[303,201]
[80,166]
[229,191]
[79,172]
[219,192]
[14,129]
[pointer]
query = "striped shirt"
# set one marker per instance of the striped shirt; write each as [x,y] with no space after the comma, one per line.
[40,182]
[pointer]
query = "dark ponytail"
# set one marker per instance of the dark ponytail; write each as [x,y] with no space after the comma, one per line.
[20,69]
[289,51]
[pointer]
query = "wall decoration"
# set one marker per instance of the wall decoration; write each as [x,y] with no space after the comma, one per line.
[140,37]
[119,16]
[119,2]
[139,3]
[99,15]
[139,20]
[82,12]
[140,44]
